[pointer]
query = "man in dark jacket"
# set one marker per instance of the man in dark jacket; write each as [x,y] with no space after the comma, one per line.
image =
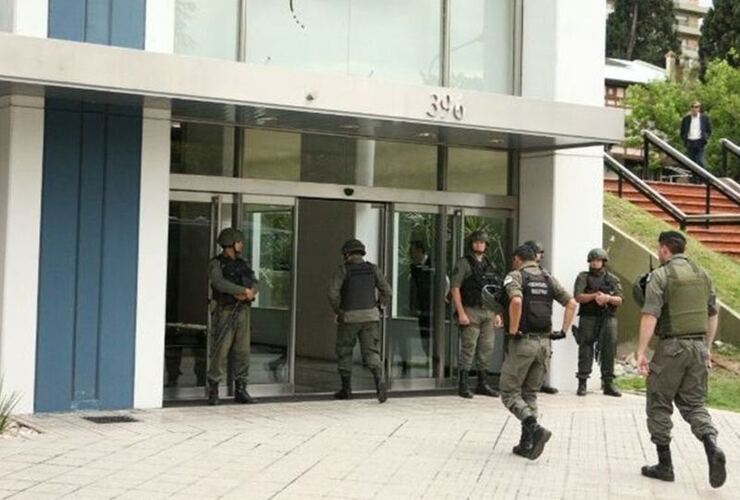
[695,131]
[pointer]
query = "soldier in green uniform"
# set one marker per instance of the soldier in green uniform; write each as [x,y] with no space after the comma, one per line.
[530,292]
[680,305]
[357,291]
[471,274]
[234,288]
[539,254]
[599,293]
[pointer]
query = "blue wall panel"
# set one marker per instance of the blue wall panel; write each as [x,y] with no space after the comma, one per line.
[67,19]
[89,256]
[128,20]
[107,22]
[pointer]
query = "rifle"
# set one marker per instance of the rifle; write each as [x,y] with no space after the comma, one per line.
[224,327]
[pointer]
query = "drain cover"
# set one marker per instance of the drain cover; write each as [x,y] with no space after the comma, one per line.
[111,419]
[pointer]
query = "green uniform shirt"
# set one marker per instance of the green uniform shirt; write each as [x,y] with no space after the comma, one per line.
[513,283]
[219,282]
[361,315]
[656,287]
[581,282]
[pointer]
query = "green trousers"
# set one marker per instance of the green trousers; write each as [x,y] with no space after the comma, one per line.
[347,334]
[522,373]
[678,375]
[603,330]
[236,340]
[476,339]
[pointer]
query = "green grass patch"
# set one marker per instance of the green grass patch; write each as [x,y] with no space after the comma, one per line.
[645,228]
[634,383]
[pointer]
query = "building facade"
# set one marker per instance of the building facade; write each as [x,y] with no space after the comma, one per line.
[131,132]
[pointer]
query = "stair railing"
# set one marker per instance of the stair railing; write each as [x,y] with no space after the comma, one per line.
[728,147]
[709,179]
[683,219]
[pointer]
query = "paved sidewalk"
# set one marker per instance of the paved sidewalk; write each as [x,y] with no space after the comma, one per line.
[434,447]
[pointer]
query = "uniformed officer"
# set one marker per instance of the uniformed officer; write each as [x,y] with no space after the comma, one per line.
[473,272]
[530,292]
[234,288]
[357,291]
[599,293]
[680,299]
[539,254]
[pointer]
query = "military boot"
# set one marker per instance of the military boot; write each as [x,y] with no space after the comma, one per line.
[540,437]
[213,393]
[346,391]
[581,387]
[548,389]
[609,389]
[525,443]
[241,395]
[463,389]
[380,389]
[483,387]
[663,470]
[716,459]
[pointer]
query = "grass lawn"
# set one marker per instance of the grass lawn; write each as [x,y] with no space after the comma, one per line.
[645,228]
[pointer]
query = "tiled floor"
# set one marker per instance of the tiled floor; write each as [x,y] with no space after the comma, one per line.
[434,447]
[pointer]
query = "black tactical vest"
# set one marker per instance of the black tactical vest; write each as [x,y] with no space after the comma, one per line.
[604,283]
[482,274]
[236,271]
[358,289]
[536,303]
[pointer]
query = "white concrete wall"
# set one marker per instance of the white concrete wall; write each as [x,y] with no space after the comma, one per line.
[31,18]
[152,269]
[160,26]
[561,193]
[6,15]
[21,154]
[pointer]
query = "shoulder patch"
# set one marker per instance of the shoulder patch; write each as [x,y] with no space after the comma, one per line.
[648,277]
[508,280]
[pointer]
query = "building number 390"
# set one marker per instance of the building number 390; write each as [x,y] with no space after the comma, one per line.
[444,106]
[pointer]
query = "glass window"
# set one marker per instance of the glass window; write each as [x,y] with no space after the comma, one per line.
[383,39]
[6,15]
[206,28]
[202,149]
[482,45]
[478,171]
[401,165]
[272,155]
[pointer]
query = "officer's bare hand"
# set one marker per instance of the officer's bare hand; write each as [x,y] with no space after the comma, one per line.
[498,321]
[250,293]
[643,365]
[463,320]
[602,299]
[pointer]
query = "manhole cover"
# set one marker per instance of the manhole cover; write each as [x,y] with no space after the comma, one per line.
[111,419]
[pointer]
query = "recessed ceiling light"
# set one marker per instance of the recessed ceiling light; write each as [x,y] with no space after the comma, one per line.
[349,126]
[424,134]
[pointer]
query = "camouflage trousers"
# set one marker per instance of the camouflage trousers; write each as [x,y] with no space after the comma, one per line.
[476,339]
[524,369]
[603,330]
[236,342]
[678,375]
[347,334]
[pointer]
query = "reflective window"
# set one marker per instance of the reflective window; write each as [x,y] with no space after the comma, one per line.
[402,165]
[200,149]
[272,155]
[482,45]
[478,171]
[6,15]
[207,28]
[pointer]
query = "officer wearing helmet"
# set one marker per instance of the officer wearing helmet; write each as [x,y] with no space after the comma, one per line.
[233,284]
[357,291]
[599,294]
[471,275]
[539,255]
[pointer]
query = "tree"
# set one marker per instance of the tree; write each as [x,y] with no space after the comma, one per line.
[660,105]
[720,33]
[642,29]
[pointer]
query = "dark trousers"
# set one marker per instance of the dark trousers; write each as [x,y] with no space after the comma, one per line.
[695,152]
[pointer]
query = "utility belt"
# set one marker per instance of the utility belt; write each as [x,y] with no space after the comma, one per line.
[534,335]
[689,336]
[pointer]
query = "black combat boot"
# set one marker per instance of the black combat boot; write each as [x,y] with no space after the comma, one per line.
[716,459]
[380,389]
[581,387]
[608,388]
[540,437]
[346,391]
[463,389]
[483,387]
[241,395]
[548,389]
[525,443]
[663,470]
[213,393]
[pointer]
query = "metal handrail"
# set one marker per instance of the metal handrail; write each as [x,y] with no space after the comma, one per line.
[711,180]
[683,219]
[726,146]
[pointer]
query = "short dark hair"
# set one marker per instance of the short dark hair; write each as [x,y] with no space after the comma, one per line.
[418,244]
[675,241]
[524,252]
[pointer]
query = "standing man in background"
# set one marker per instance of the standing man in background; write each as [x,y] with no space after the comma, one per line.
[696,127]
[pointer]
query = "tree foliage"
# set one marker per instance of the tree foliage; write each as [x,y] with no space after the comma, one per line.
[642,29]
[720,33]
[660,105]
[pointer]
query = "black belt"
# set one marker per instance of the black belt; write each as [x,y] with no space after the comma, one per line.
[685,337]
[532,334]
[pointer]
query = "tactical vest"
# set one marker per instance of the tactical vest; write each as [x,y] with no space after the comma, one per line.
[236,271]
[358,289]
[482,274]
[604,283]
[686,300]
[536,303]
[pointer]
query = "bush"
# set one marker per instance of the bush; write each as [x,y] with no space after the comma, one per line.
[7,404]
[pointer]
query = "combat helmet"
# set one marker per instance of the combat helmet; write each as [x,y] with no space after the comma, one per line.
[353,246]
[597,254]
[229,237]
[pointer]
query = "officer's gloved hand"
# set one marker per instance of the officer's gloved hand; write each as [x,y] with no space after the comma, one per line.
[557,335]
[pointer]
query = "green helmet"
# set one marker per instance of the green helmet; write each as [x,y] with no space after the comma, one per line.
[597,254]
[536,246]
[229,237]
[638,290]
[353,246]
[478,235]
